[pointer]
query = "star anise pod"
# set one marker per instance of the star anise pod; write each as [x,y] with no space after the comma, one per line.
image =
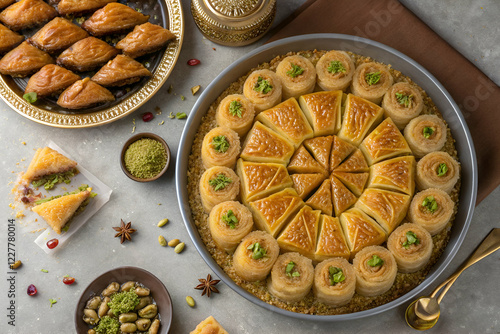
[208,285]
[124,231]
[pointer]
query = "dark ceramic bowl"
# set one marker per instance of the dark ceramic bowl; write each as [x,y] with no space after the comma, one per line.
[136,138]
[379,52]
[122,275]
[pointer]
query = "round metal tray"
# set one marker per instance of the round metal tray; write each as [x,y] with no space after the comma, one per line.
[379,52]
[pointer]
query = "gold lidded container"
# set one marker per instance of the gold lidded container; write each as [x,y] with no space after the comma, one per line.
[233,22]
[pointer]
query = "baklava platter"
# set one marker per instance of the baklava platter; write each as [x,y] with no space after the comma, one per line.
[324,182]
[75,57]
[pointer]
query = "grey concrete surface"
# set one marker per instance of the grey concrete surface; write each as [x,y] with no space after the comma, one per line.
[471,306]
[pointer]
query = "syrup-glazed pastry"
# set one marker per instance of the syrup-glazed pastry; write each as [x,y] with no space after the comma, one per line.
[371,81]
[334,282]
[437,170]
[322,198]
[84,94]
[402,103]
[87,55]
[331,240]
[303,162]
[340,150]
[335,70]
[24,60]
[235,112]
[57,35]
[5,3]
[356,163]
[354,181]
[304,184]
[298,76]
[255,256]
[51,79]
[411,245]
[432,209]
[323,110]
[218,184]
[291,277]
[67,7]
[425,134]
[320,148]
[145,38]
[9,39]
[120,71]
[114,18]
[220,147]
[263,88]
[229,222]
[342,197]
[47,162]
[27,14]
[394,174]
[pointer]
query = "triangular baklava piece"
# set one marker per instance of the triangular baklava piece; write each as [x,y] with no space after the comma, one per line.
[354,181]
[355,163]
[66,7]
[322,199]
[84,94]
[340,151]
[50,80]
[303,162]
[144,39]
[27,14]
[342,197]
[394,174]
[87,54]
[24,60]
[57,35]
[9,39]
[47,162]
[331,240]
[305,183]
[323,111]
[120,71]
[320,148]
[114,18]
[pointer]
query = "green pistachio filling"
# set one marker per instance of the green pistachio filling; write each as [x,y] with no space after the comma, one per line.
[290,270]
[375,261]
[430,204]
[427,132]
[258,252]
[372,78]
[442,169]
[220,182]
[336,275]
[411,239]
[336,66]
[404,100]
[236,108]
[230,219]
[220,144]
[49,181]
[123,302]
[262,86]
[295,71]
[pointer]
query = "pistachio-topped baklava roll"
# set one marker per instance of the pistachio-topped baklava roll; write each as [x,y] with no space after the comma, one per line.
[411,245]
[432,209]
[255,256]
[235,112]
[437,170]
[263,88]
[218,184]
[425,134]
[220,147]
[298,76]
[335,70]
[291,277]
[334,281]
[229,222]
[402,103]
[376,270]
[371,81]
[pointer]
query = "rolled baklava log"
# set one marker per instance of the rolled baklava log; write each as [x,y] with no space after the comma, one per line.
[425,134]
[402,102]
[218,184]
[255,256]
[437,170]
[220,147]
[335,70]
[298,76]
[291,277]
[376,270]
[229,222]
[371,81]
[235,112]
[263,88]
[411,245]
[334,282]
[432,209]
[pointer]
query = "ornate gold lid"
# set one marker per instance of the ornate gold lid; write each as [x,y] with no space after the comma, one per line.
[233,22]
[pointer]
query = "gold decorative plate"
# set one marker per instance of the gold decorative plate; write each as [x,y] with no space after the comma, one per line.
[167,13]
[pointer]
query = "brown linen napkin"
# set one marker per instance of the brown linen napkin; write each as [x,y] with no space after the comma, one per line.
[390,23]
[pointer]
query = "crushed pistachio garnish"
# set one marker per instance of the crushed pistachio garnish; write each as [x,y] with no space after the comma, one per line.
[220,144]
[295,71]
[404,100]
[411,239]
[44,271]
[49,181]
[372,78]
[430,204]
[236,108]
[171,115]
[81,188]
[30,97]
[336,275]
[220,182]
[230,219]
[427,132]
[442,169]
[262,86]
[289,270]
[52,302]
[195,89]
[258,252]
[107,325]
[145,158]
[180,115]
[336,67]
[182,97]
[139,10]
[80,19]
[375,261]
[123,302]
[161,123]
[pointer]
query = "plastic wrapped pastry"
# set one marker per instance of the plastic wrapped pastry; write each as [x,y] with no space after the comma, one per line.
[27,14]
[371,81]
[263,88]
[145,38]
[50,80]
[335,70]
[437,170]
[217,185]
[425,134]
[432,209]
[334,282]
[402,103]
[87,55]
[411,246]
[84,94]
[9,39]
[57,35]
[120,71]
[235,112]
[114,18]
[67,7]
[376,270]
[220,147]
[24,60]
[298,76]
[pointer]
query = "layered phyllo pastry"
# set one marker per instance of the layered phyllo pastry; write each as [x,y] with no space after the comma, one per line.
[263,88]
[67,7]
[114,18]
[57,35]
[322,198]
[255,256]
[9,39]
[304,184]
[87,54]
[425,134]
[24,60]
[402,103]
[355,182]
[432,209]
[334,281]
[264,145]
[376,270]
[342,197]
[340,150]
[323,111]
[320,148]
[218,184]
[209,326]
[145,38]
[288,120]
[27,14]
[298,76]
[120,71]
[50,80]
[303,162]
[331,240]
[221,147]
[5,3]
[371,81]
[356,163]
[84,94]
[411,245]
[437,170]
[291,277]
[335,70]
[396,174]
[229,222]
[237,113]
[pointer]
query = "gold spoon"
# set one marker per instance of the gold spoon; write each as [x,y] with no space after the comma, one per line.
[424,312]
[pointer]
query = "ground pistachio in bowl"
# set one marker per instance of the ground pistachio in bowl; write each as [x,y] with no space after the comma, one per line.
[126,308]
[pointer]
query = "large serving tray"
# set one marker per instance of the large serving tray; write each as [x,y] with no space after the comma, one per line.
[379,52]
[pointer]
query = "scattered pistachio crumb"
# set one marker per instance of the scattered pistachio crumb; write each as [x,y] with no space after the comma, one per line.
[171,115]
[182,97]
[133,129]
[181,115]
[44,271]
[52,302]
[161,123]
[195,89]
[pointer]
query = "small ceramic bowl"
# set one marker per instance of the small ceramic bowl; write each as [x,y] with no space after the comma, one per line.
[136,138]
[122,275]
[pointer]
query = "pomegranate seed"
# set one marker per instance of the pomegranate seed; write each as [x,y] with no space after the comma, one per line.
[193,62]
[52,243]
[68,280]
[147,116]
[32,290]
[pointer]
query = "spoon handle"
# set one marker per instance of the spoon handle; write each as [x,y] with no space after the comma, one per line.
[489,245]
